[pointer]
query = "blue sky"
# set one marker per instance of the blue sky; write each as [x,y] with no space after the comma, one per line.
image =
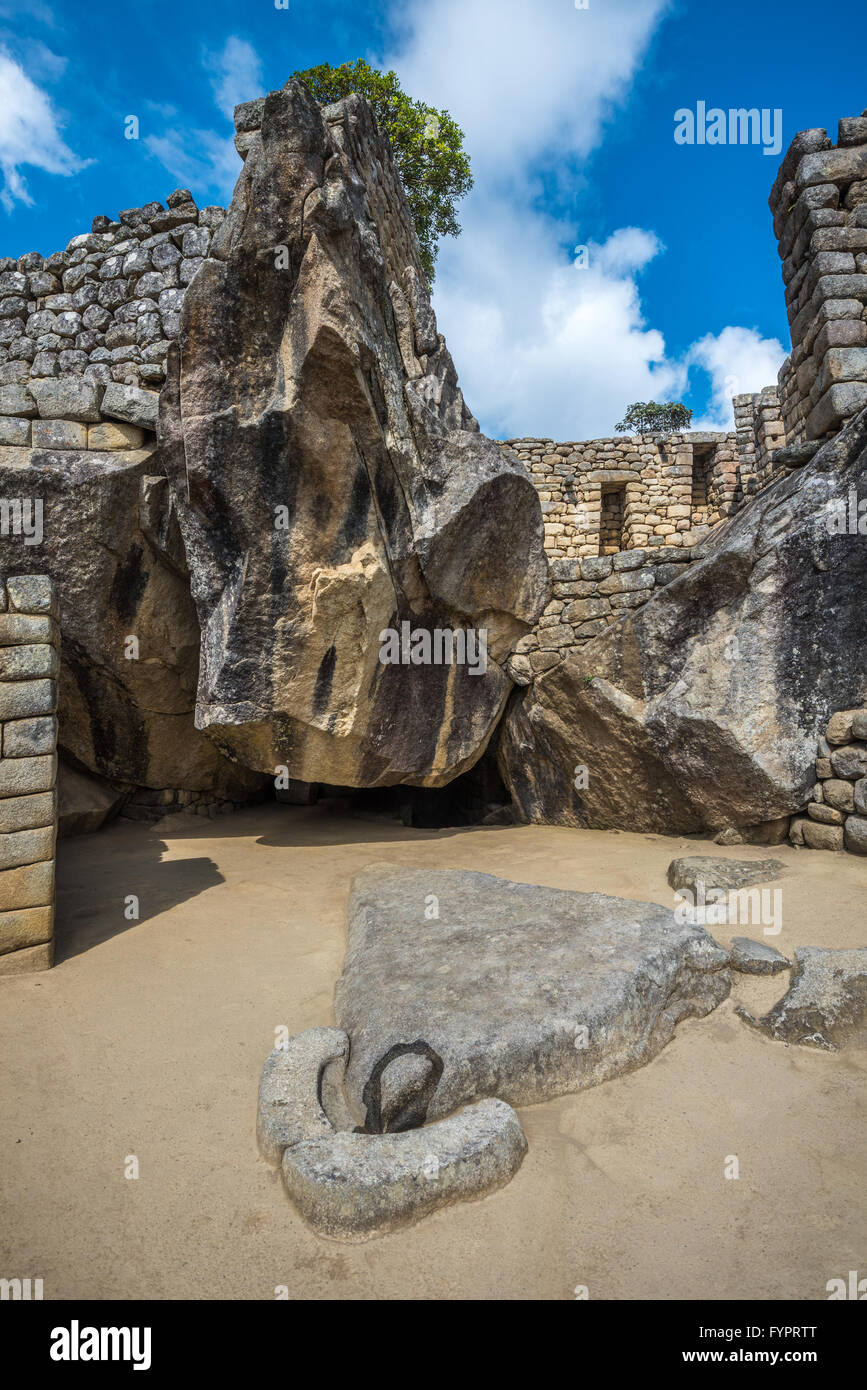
[569,121]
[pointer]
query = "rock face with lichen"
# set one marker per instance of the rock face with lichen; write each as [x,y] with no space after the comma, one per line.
[701,711]
[329,479]
[129,649]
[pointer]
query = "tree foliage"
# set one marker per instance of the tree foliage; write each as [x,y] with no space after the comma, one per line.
[427,146]
[653,417]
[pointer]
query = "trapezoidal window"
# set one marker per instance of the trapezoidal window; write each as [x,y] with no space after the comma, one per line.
[702,463]
[611,537]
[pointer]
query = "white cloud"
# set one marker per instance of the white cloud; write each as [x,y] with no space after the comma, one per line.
[518,77]
[737,360]
[198,159]
[543,347]
[29,133]
[207,159]
[236,74]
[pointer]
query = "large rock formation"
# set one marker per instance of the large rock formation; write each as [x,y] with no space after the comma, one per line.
[111,546]
[506,989]
[329,479]
[701,711]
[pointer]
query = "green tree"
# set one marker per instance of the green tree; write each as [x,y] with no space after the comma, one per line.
[653,417]
[427,146]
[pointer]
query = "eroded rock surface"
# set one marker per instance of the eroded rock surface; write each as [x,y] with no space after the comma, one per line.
[521,992]
[702,709]
[111,546]
[756,958]
[354,1186]
[713,871]
[826,1003]
[330,481]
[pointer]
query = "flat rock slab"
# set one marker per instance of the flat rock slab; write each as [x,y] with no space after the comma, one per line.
[509,989]
[725,874]
[755,958]
[355,1186]
[826,1004]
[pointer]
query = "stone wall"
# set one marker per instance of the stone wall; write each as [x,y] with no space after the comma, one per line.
[637,492]
[819,205]
[74,413]
[588,595]
[836,816]
[28,770]
[760,433]
[105,308]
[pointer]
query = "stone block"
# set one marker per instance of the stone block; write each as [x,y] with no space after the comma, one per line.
[26,847]
[837,404]
[818,836]
[27,812]
[22,776]
[27,961]
[28,738]
[59,434]
[20,699]
[115,436]
[855,835]
[131,405]
[67,398]
[850,762]
[839,794]
[31,593]
[14,432]
[31,926]
[21,629]
[30,886]
[28,663]
[17,400]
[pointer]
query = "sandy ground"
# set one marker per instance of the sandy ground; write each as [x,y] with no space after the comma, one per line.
[147,1039]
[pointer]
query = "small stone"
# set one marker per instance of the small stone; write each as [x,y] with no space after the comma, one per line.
[860,791]
[14,432]
[840,794]
[825,815]
[826,1003]
[855,835]
[839,728]
[756,958]
[850,762]
[818,836]
[31,593]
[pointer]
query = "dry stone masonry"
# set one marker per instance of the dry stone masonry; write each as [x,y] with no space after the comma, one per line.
[819,206]
[28,768]
[837,811]
[107,306]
